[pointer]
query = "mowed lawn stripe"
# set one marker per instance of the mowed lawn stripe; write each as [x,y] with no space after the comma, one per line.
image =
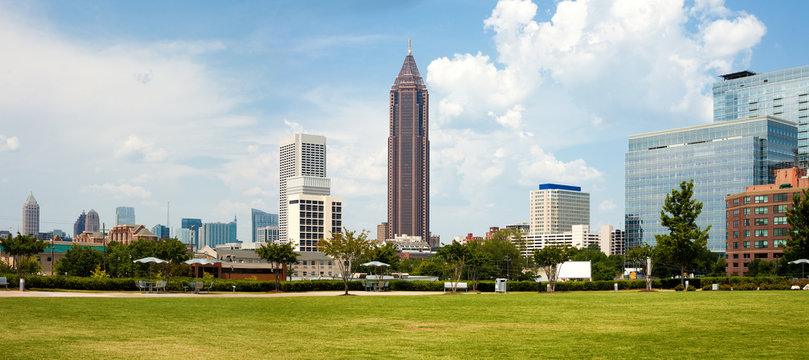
[580,324]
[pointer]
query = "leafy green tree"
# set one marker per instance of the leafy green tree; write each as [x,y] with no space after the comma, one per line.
[644,256]
[550,258]
[98,273]
[345,247]
[455,256]
[22,247]
[685,240]
[504,258]
[759,267]
[79,261]
[798,219]
[433,266]
[117,256]
[277,255]
[603,268]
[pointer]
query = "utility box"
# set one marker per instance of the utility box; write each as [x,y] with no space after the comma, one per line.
[500,285]
[714,287]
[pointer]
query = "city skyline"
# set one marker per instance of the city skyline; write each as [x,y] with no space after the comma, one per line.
[158,103]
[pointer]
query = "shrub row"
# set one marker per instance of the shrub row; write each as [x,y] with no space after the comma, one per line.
[176,284]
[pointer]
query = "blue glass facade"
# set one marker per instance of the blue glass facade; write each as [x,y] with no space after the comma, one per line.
[192,224]
[783,94]
[722,158]
[262,219]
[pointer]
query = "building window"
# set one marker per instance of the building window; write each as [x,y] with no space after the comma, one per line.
[746,222]
[780,232]
[779,243]
[735,223]
[735,234]
[746,199]
[735,256]
[736,212]
[735,265]
[735,244]
[761,221]
[779,209]
[746,245]
[779,220]
[761,199]
[779,197]
[761,255]
[761,232]
[736,202]
[747,211]
[761,210]
[747,233]
[746,256]
[760,244]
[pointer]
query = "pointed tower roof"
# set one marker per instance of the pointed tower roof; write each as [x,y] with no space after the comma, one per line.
[409,75]
[31,197]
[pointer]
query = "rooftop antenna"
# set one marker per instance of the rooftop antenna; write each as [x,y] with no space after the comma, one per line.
[408,47]
[168,212]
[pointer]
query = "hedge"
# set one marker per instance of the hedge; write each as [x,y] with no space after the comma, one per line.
[176,284]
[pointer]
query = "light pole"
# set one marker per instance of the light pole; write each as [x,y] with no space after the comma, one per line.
[52,256]
[508,267]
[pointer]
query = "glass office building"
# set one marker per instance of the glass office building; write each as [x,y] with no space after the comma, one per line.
[783,94]
[722,158]
[261,219]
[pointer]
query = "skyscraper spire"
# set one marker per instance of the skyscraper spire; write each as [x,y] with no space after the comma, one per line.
[408,47]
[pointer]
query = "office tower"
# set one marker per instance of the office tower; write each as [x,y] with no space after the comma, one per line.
[79,225]
[213,234]
[267,234]
[300,155]
[757,220]
[382,232]
[92,221]
[783,94]
[262,219]
[555,208]
[613,241]
[187,237]
[409,154]
[722,158]
[162,232]
[30,216]
[124,215]
[195,225]
[311,218]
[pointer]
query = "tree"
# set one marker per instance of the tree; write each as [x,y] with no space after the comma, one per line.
[759,267]
[798,220]
[476,260]
[504,256]
[550,259]
[79,261]
[644,255]
[345,247]
[685,240]
[277,255]
[21,247]
[455,255]
[433,266]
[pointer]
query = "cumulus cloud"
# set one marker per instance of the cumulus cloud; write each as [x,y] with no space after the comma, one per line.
[120,191]
[9,143]
[543,167]
[607,206]
[725,37]
[136,149]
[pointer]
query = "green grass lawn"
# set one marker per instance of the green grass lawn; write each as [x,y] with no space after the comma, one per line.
[739,324]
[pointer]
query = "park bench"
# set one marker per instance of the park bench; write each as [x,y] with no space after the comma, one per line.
[458,286]
[4,281]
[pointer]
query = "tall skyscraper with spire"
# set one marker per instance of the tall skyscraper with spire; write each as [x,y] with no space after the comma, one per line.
[30,216]
[409,154]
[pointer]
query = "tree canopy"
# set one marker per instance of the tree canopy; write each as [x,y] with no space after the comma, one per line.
[798,220]
[455,255]
[685,240]
[345,247]
[21,247]
[550,258]
[278,255]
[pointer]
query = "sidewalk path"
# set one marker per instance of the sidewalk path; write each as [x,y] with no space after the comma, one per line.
[38,293]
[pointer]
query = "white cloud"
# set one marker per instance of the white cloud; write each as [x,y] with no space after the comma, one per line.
[511,119]
[607,206]
[136,149]
[727,37]
[543,167]
[9,143]
[121,191]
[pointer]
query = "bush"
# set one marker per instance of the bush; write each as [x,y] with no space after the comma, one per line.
[725,287]
[679,287]
[692,288]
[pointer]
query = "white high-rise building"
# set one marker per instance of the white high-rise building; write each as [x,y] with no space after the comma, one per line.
[554,209]
[311,218]
[300,155]
[30,216]
[613,241]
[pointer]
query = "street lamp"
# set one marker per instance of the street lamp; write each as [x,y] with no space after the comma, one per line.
[508,266]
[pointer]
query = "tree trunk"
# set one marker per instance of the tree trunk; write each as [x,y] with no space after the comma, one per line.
[682,277]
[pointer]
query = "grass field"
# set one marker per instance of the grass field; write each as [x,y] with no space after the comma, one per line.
[563,325]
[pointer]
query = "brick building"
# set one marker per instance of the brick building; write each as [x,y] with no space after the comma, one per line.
[757,222]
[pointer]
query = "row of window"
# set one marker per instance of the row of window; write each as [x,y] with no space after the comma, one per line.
[313,262]
[759,199]
[776,220]
[759,210]
[761,244]
[761,233]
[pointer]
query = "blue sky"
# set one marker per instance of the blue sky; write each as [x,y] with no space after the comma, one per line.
[138,104]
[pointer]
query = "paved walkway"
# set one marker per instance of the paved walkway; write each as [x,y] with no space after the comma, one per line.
[83,294]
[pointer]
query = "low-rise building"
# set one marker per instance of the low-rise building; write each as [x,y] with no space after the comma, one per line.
[756,219]
[580,237]
[126,234]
